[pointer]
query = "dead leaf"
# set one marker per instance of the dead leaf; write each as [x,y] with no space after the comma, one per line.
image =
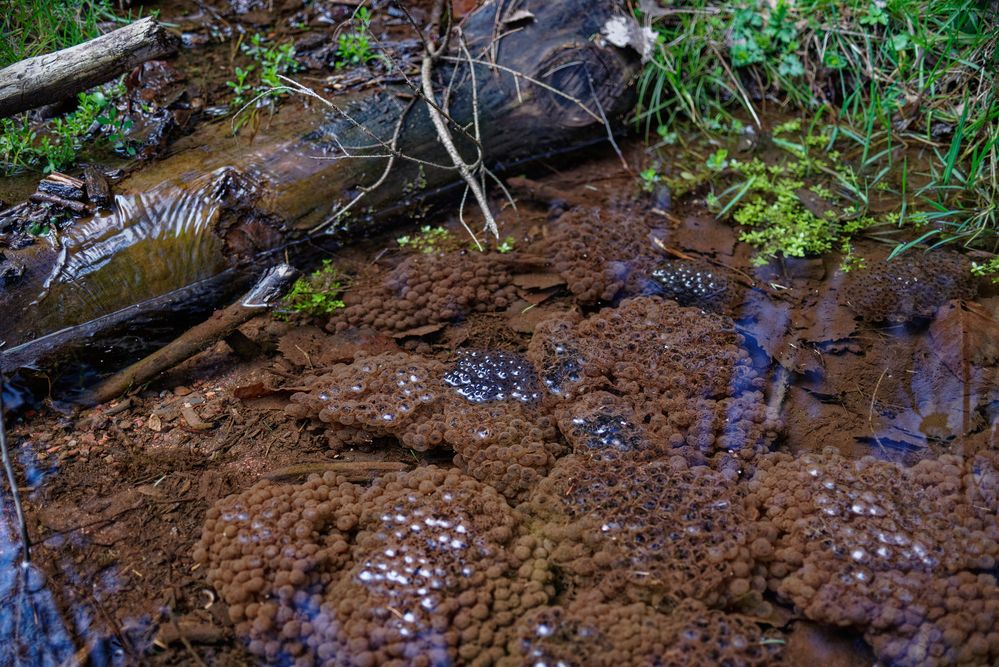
[527,321]
[624,31]
[537,298]
[193,420]
[419,331]
[255,390]
[460,8]
[965,335]
[155,423]
[149,491]
[538,280]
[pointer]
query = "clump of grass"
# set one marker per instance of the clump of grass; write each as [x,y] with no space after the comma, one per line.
[314,295]
[919,75]
[31,28]
[56,144]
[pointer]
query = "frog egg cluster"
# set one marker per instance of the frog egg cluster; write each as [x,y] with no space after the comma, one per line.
[691,284]
[494,376]
[885,548]
[427,289]
[602,254]
[422,568]
[913,285]
[647,531]
[603,426]
[390,394]
[611,635]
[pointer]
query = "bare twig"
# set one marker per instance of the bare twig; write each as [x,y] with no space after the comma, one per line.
[530,79]
[607,125]
[8,468]
[430,55]
[870,411]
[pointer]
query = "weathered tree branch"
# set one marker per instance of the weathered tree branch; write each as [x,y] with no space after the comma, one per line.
[34,82]
[196,339]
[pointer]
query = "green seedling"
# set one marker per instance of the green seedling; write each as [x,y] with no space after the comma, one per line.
[315,295]
[649,178]
[354,46]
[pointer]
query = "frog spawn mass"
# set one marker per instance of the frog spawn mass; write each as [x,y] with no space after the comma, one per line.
[489,422]
[683,372]
[905,555]
[422,568]
[691,284]
[634,445]
[909,287]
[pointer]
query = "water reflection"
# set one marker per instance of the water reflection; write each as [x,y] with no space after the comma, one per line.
[32,632]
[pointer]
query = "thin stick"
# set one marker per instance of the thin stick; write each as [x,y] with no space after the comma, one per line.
[22,524]
[530,79]
[607,125]
[870,411]
[430,53]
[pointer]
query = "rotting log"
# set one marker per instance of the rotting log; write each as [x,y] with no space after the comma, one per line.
[219,209]
[41,80]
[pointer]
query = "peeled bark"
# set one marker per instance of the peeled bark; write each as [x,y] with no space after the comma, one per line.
[41,80]
[212,219]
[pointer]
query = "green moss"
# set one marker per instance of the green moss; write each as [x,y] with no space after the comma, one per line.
[314,295]
[768,203]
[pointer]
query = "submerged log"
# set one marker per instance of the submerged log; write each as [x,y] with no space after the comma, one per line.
[220,209]
[41,80]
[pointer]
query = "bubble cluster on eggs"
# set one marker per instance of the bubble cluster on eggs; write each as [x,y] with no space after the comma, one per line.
[494,376]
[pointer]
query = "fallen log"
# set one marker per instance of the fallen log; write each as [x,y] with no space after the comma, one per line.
[541,86]
[41,80]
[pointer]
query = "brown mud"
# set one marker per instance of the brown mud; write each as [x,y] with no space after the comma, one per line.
[634,446]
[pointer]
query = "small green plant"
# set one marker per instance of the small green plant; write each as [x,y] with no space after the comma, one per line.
[718,160]
[241,87]
[429,240]
[649,178]
[988,268]
[260,80]
[40,228]
[354,47]
[506,245]
[314,295]
[56,144]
